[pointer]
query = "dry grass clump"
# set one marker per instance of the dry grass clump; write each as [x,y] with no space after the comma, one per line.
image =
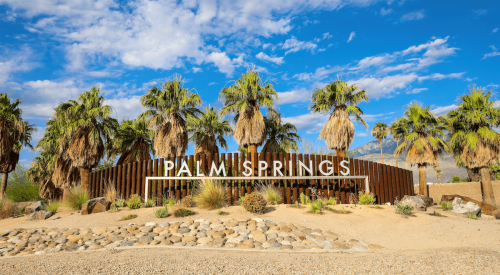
[52,206]
[271,194]
[210,195]
[129,217]
[255,203]
[110,193]
[7,208]
[77,196]
[188,202]
[134,202]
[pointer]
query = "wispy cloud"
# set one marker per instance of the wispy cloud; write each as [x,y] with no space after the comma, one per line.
[480,12]
[327,35]
[416,90]
[494,30]
[494,53]
[416,15]
[443,109]
[293,45]
[351,37]
[385,12]
[265,57]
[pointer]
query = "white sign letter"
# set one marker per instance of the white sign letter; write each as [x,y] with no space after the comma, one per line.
[262,167]
[247,168]
[169,165]
[277,165]
[184,169]
[198,173]
[308,169]
[344,164]
[221,167]
[329,169]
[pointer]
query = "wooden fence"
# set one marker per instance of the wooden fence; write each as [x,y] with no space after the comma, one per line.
[386,182]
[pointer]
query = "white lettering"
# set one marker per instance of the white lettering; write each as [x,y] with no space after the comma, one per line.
[329,169]
[169,165]
[217,171]
[344,164]
[198,172]
[184,169]
[262,167]
[277,165]
[308,169]
[247,168]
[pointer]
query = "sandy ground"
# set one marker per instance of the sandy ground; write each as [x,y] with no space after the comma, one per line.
[460,244]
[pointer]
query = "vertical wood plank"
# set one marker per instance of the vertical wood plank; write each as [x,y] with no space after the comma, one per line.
[236,174]
[293,172]
[99,183]
[376,181]
[403,181]
[160,186]
[171,183]
[119,181]
[381,172]
[230,182]
[149,172]
[144,168]
[132,179]
[115,178]
[154,183]
[387,182]
[123,182]
[105,181]
[301,181]
[281,181]
[191,170]
[324,185]
[129,176]
[184,186]
[177,182]
[394,184]
[242,169]
[91,185]
[369,172]
[336,183]
[253,158]
[307,183]
[138,180]
[288,182]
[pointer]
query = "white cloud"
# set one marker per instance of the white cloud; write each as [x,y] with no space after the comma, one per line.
[380,87]
[212,83]
[494,30]
[311,122]
[492,54]
[298,95]
[12,62]
[265,57]
[416,15]
[439,76]
[125,107]
[443,110]
[197,70]
[351,37]
[416,90]
[361,134]
[327,35]
[480,12]
[293,45]
[385,12]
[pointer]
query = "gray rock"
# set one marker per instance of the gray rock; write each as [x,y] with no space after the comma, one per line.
[127,243]
[40,215]
[95,205]
[184,230]
[35,206]
[163,225]
[416,202]
[55,217]
[428,201]
[276,245]
[265,228]
[145,239]
[5,234]
[462,207]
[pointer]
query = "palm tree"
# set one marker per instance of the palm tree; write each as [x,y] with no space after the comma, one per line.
[380,132]
[88,125]
[421,140]
[474,141]
[133,141]
[14,134]
[341,99]
[168,107]
[281,138]
[207,131]
[397,132]
[244,99]
[438,175]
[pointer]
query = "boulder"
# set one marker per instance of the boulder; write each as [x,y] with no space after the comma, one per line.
[427,200]
[40,215]
[416,202]
[95,206]
[462,207]
[35,206]
[485,208]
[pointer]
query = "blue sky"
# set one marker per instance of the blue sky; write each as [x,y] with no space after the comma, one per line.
[399,51]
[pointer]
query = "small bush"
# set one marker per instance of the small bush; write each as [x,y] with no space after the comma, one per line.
[7,208]
[129,217]
[436,214]
[316,206]
[134,202]
[255,203]
[471,215]
[402,209]
[188,202]
[20,213]
[150,203]
[168,201]
[331,201]
[438,201]
[183,212]
[121,203]
[241,200]
[219,212]
[304,199]
[210,195]
[110,193]
[271,194]
[113,208]
[52,206]
[77,196]
[446,206]
[366,198]
[162,212]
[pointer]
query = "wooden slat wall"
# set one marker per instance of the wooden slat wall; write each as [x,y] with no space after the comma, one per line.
[386,182]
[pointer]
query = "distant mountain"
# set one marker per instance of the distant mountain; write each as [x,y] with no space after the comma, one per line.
[373,147]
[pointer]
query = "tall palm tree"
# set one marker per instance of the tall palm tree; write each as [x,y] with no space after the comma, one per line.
[168,107]
[380,132]
[207,131]
[88,125]
[14,135]
[244,99]
[422,140]
[473,138]
[281,137]
[341,99]
[133,141]
[397,132]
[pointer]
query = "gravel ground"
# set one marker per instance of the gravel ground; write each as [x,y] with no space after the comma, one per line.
[189,261]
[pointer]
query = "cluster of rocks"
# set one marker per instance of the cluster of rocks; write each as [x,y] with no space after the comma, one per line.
[96,205]
[418,202]
[36,211]
[462,207]
[231,233]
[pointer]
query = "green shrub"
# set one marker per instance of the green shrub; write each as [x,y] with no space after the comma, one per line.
[183,212]
[471,215]
[77,196]
[20,188]
[162,212]
[188,202]
[403,209]
[331,201]
[219,212]
[436,214]
[366,198]
[7,208]
[121,203]
[149,203]
[304,199]
[113,208]
[52,206]
[134,202]
[241,200]
[316,206]
[210,195]
[445,205]
[271,194]
[458,179]
[168,201]
[129,217]
[255,203]
[438,201]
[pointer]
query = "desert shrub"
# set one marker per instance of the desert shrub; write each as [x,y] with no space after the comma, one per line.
[331,201]
[445,205]
[20,213]
[316,206]
[188,202]
[458,179]
[113,208]
[255,203]
[7,208]
[471,215]
[52,206]
[121,203]
[162,212]
[169,201]
[110,193]
[134,202]
[304,199]
[20,188]
[183,212]
[438,201]
[366,198]
[150,203]
[436,214]
[241,200]
[129,217]
[210,195]
[219,212]
[77,196]
[271,194]
[402,209]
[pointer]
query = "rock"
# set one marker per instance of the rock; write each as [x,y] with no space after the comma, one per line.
[175,239]
[486,209]
[55,217]
[127,243]
[95,206]
[374,246]
[184,230]
[40,215]
[34,207]
[276,245]
[205,240]
[260,238]
[416,202]
[40,252]
[145,239]
[150,224]
[462,207]
[427,200]
[246,246]
[286,247]
[189,239]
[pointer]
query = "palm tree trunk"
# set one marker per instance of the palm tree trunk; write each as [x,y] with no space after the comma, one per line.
[252,149]
[397,157]
[341,153]
[65,195]
[422,184]
[84,177]
[488,195]
[381,154]
[5,178]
